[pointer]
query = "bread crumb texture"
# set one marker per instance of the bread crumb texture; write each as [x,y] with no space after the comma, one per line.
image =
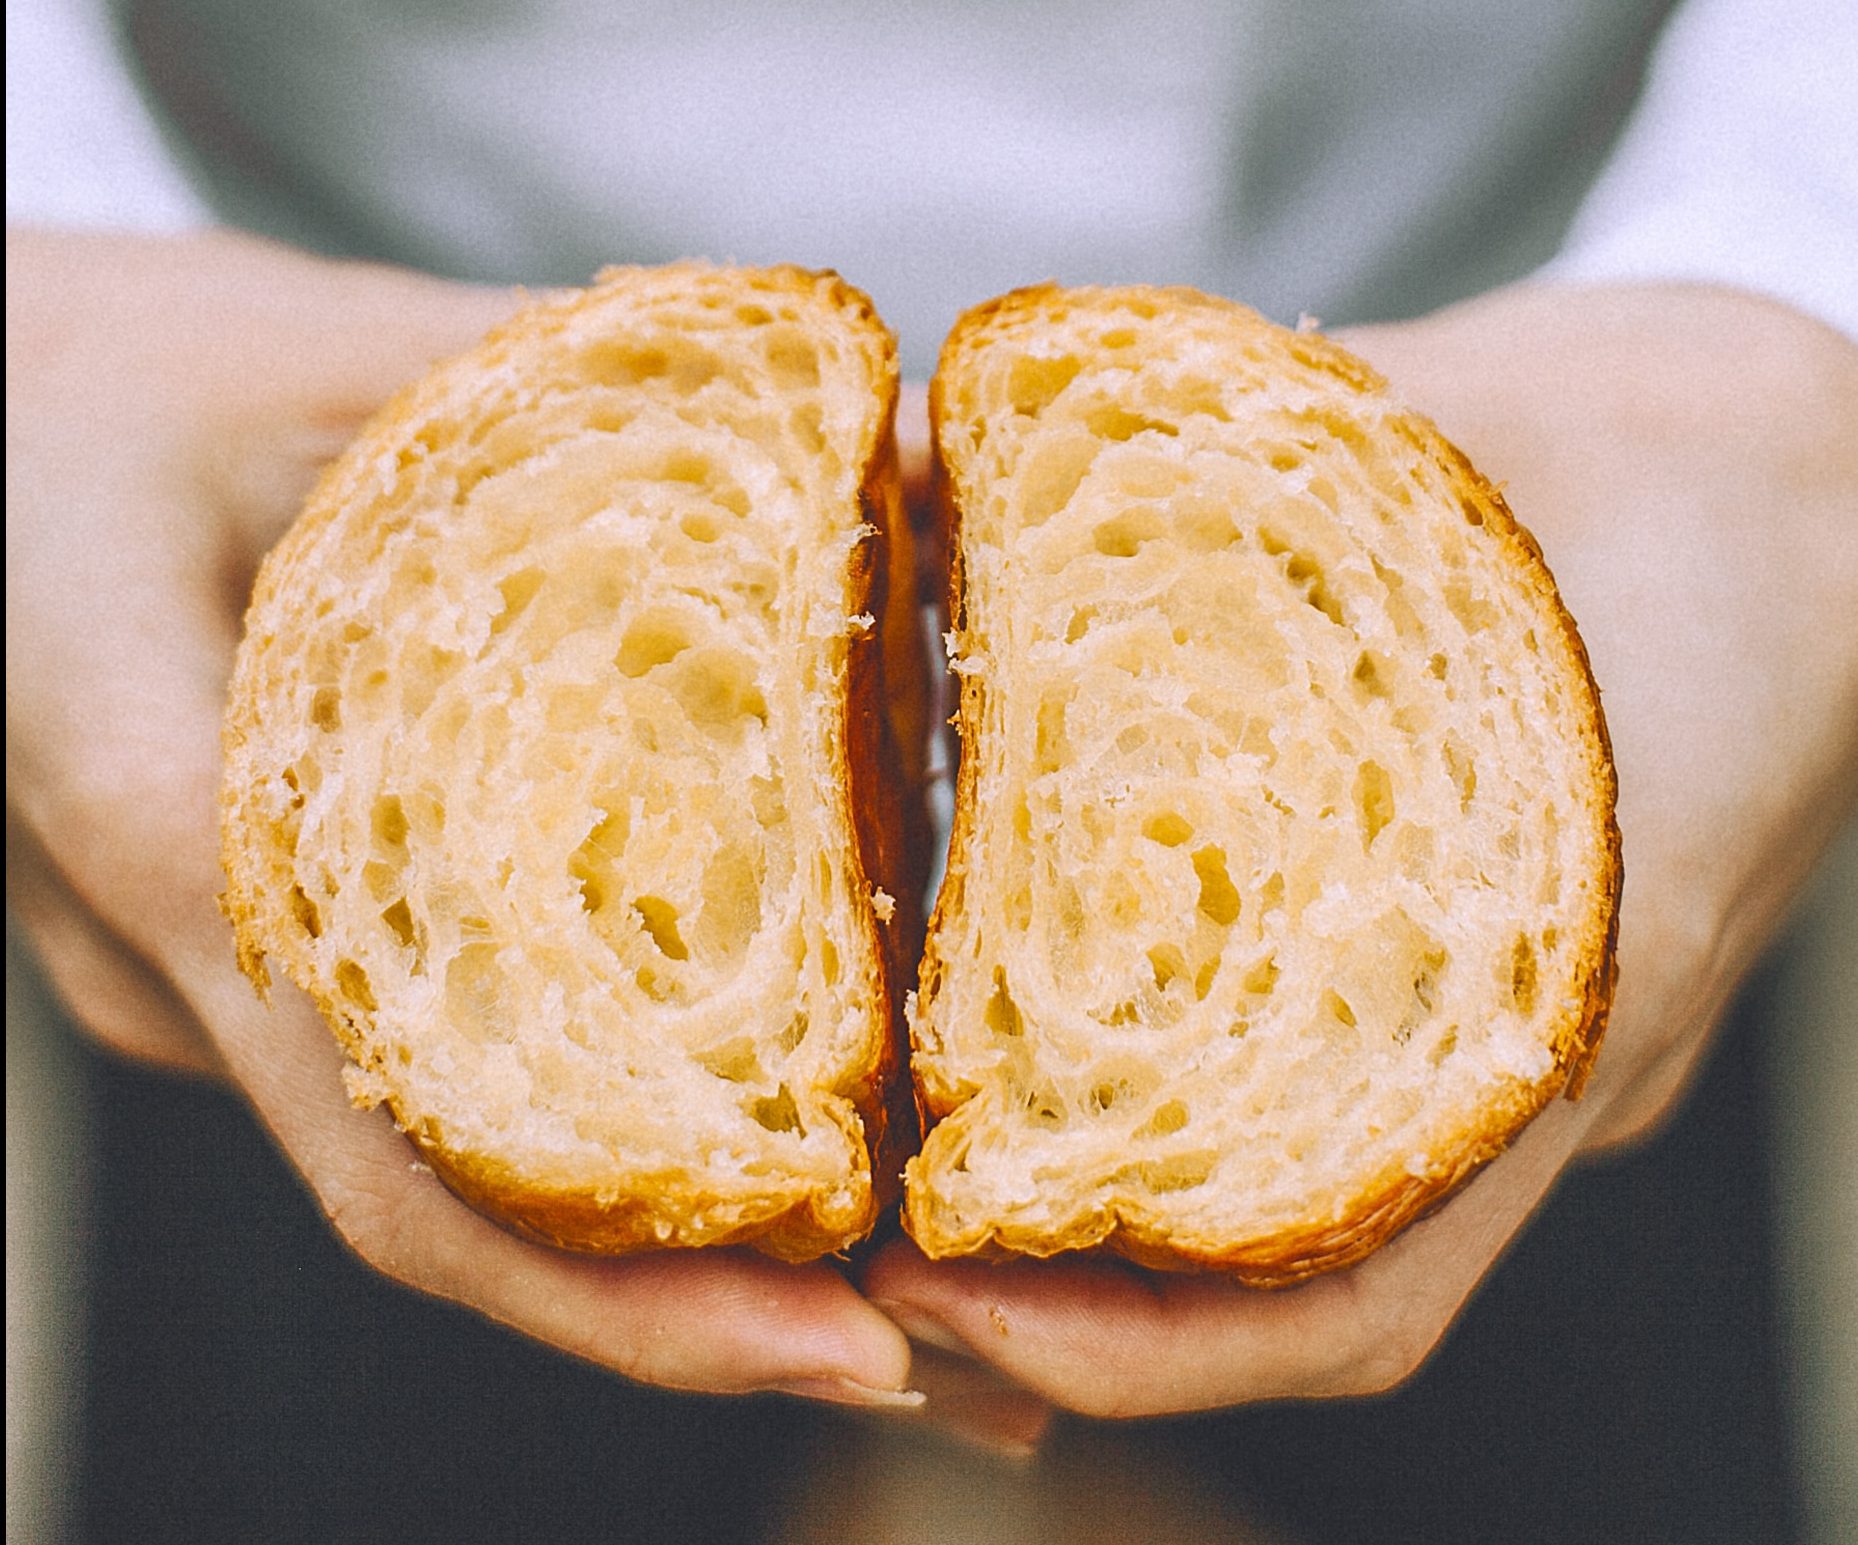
[1284,872]
[538,775]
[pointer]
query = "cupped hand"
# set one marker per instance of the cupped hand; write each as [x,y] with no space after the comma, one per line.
[1688,460]
[168,404]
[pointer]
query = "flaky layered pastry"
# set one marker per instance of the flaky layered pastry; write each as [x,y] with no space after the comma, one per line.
[559,772]
[1284,871]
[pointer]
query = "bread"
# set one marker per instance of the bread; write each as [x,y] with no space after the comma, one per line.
[563,772]
[1284,871]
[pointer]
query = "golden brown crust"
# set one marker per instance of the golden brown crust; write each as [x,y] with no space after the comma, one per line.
[1397,1197]
[879,795]
[884,713]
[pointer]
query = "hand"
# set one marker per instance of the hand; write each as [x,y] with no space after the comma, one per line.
[1688,461]
[168,404]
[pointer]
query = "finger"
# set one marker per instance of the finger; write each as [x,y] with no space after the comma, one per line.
[1105,1338]
[965,1399]
[716,1320]
[282,412]
[102,984]
[723,1321]
[971,1403]
[150,869]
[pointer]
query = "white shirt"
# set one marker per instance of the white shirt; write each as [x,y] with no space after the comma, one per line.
[1355,162]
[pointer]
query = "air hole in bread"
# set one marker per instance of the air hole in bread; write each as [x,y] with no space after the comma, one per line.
[422,675]
[1473,612]
[1002,1014]
[1460,768]
[1044,1108]
[1022,819]
[1400,610]
[683,366]
[778,1112]
[517,590]
[717,689]
[1219,897]
[651,641]
[1167,962]
[1374,801]
[326,709]
[1169,828]
[1177,1172]
[382,881]
[399,919]
[1050,745]
[735,1061]
[807,423]
[1261,978]
[1304,570]
[794,360]
[1051,477]
[660,918]
[1033,383]
[388,824]
[1205,976]
[593,862]
[1523,975]
[1194,398]
[1169,1117]
[1426,981]
[352,982]
[1370,675]
[1123,537]
[623,363]
[304,910]
[1114,423]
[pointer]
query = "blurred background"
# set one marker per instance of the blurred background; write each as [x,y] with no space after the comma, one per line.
[1669,1353]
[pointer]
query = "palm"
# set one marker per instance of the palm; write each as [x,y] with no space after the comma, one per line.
[1672,500]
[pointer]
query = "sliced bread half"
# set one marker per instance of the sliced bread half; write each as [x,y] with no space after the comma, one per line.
[1284,871]
[563,770]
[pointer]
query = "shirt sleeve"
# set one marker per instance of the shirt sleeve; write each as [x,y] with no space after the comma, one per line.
[81,147]
[1740,162]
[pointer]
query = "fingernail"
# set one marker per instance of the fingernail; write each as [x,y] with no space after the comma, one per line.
[849,1392]
[919,1326]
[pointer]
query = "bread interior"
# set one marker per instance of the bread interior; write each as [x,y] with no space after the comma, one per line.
[563,814]
[1275,867]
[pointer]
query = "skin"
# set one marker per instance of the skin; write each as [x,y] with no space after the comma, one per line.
[1686,457]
